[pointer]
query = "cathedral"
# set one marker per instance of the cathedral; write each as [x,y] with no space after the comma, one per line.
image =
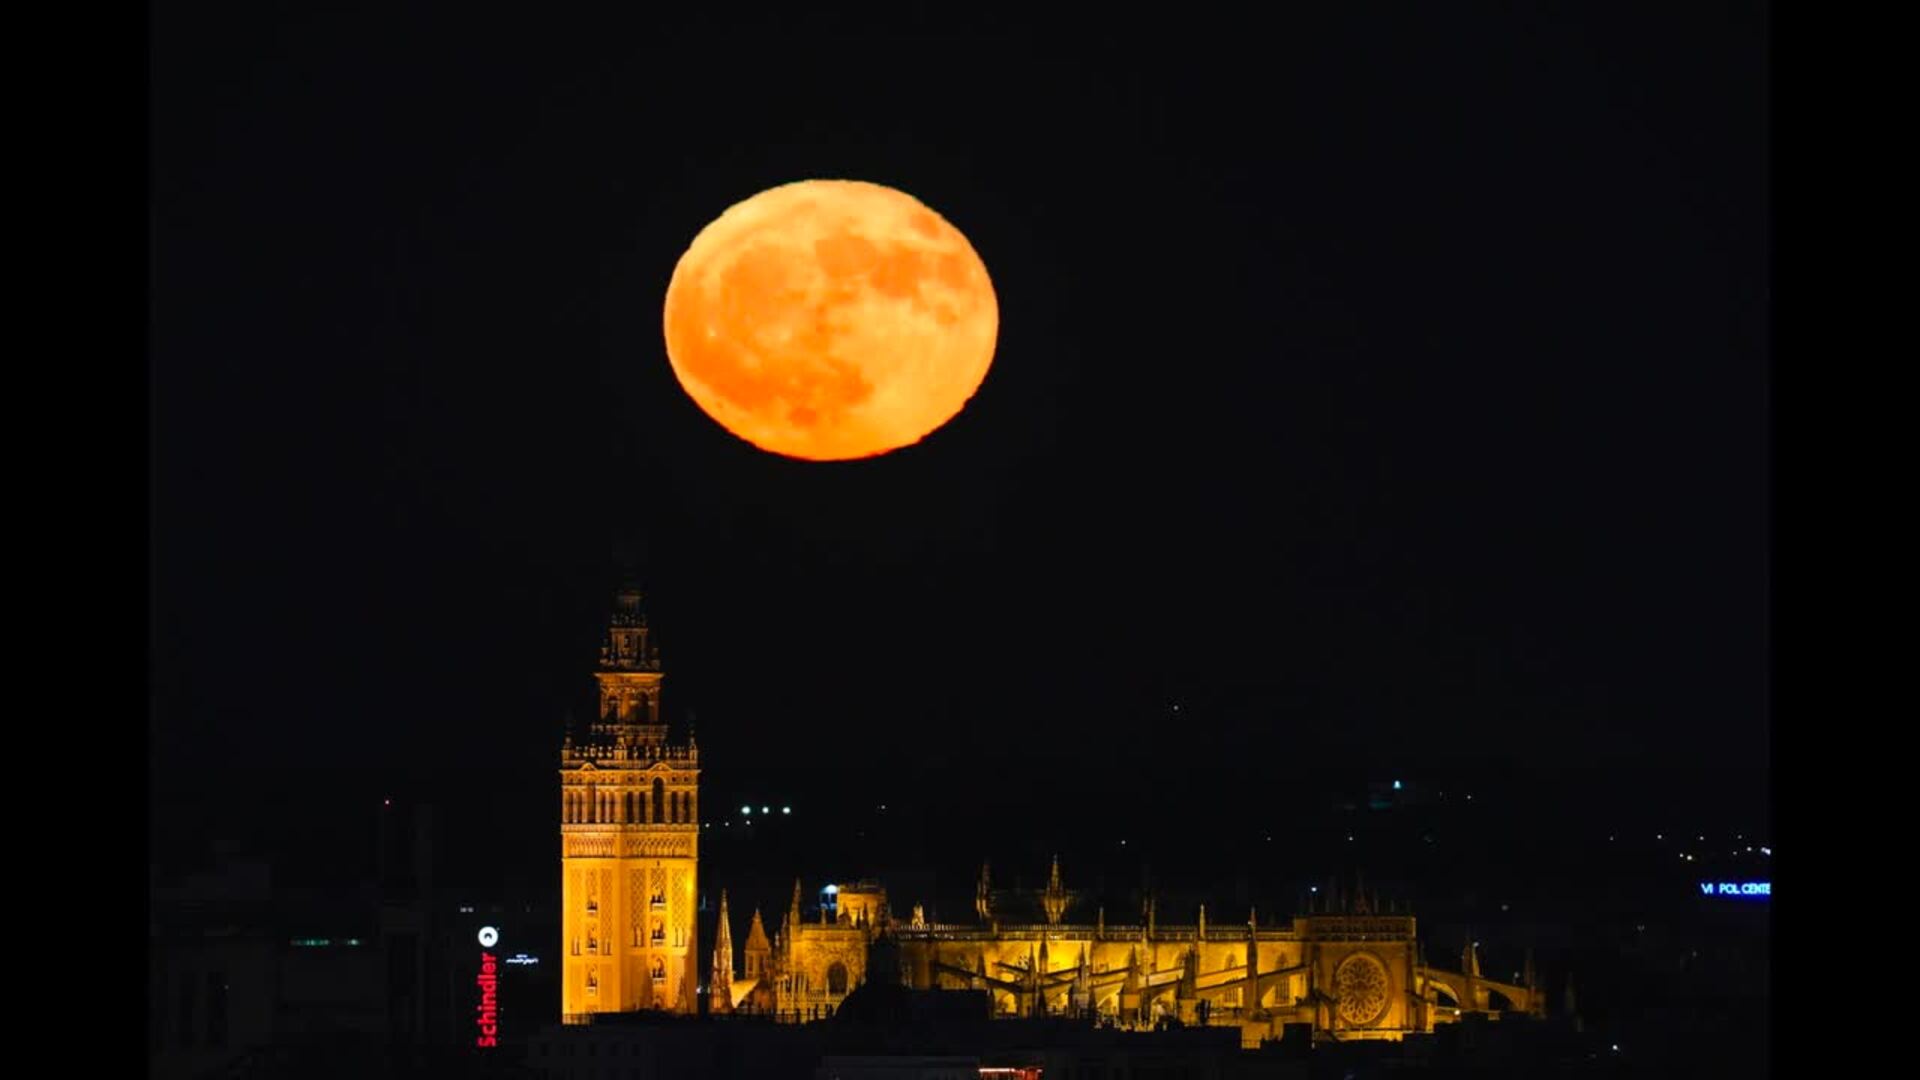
[1349,969]
[629,835]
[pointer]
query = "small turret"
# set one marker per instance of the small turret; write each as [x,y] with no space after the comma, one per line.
[1055,898]
[759,952]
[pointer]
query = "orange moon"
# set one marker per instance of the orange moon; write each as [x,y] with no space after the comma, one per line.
[830,320]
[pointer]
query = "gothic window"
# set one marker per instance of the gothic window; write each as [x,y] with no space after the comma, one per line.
[593,942]
[593,981]
[659,800]
[576,946]
[659,970]
[837,979]
[659,932]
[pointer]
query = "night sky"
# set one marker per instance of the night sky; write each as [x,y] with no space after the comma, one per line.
[1390,384]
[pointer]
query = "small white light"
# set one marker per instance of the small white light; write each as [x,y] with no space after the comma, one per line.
[746,809]
[786,809]
[766,810]
[1315,888]
[1766,851]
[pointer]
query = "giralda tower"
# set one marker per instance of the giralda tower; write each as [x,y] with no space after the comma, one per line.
[629,839]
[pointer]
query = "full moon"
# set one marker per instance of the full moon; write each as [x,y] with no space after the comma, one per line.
[830,320]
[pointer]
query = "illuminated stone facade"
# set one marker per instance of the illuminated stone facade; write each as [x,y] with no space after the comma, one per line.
[1351,971]
[630,836]
[629,840]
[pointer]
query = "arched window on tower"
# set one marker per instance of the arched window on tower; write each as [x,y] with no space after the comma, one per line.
[593,801]
[659,800]
[837,979]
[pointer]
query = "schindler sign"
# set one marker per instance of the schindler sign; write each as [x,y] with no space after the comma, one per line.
[488,982]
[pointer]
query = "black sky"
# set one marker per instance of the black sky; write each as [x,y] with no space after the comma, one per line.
[1392,380]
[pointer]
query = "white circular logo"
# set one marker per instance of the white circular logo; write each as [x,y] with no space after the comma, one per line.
[489,937]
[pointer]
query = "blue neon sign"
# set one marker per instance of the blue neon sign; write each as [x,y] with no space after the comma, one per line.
[1745,889]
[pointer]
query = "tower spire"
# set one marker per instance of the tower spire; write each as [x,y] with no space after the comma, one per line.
[720,986]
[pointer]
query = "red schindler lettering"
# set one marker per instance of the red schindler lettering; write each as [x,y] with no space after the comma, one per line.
[489,1008]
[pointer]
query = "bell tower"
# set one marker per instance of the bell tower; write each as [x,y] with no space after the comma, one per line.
[629,839]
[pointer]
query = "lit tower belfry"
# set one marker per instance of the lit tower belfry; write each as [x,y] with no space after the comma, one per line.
[629,839]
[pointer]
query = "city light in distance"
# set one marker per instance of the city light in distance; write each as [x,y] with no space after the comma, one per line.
[786,809]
